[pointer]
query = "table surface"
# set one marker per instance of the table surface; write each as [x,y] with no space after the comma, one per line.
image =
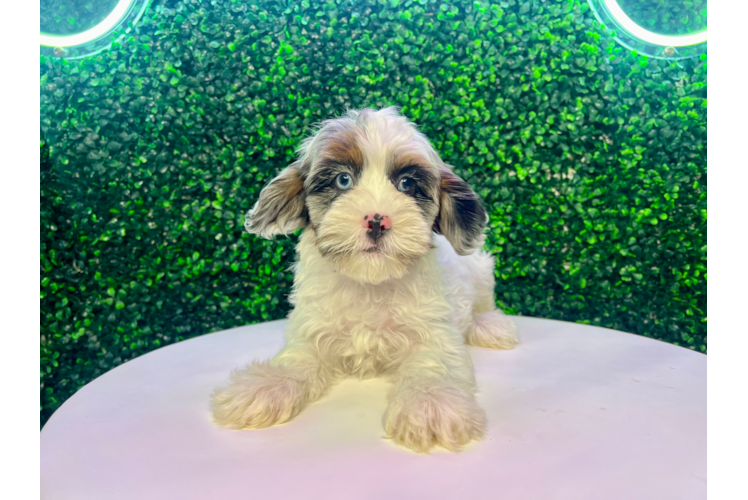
[574,412]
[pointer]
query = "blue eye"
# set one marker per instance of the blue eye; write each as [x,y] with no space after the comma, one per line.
[344,181]
[406,185]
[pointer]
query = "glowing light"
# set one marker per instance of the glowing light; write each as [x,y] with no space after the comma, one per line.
[89,35]
[647,36]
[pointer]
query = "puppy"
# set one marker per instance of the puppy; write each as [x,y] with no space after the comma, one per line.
[387,282]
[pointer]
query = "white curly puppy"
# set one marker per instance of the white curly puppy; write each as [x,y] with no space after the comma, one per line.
[388,282]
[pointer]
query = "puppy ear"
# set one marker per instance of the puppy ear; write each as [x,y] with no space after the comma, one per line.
[462,217]
[281,208]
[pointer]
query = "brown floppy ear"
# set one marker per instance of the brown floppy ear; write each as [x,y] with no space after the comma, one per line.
[462,217]
[281,208]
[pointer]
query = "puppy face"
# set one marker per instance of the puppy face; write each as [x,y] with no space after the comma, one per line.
[372,189]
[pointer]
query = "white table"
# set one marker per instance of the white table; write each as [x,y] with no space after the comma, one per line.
[574,412]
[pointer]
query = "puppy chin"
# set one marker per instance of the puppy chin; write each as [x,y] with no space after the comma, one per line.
[390,259]
[372,267]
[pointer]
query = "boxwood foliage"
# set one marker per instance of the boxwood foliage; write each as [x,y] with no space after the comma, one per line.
[590,159]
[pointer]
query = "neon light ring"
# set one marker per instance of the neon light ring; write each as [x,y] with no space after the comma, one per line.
[120,21]
[634,37]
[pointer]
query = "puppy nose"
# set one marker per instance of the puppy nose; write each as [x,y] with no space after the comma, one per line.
[376,224]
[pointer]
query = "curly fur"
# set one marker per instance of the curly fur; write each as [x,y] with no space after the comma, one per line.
[403,306]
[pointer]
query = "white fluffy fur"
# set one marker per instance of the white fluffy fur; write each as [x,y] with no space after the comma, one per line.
[405,313]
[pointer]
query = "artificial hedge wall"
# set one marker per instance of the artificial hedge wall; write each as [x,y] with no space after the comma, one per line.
[591,161]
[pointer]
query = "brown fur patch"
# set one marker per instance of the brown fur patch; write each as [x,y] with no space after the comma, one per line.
[408,158]
[293,184]
[280,209]
[449,180]
[462,217]
[343,148]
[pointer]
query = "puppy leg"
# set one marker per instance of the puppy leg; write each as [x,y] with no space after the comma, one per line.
[271,392]
[491,327]
[433,402]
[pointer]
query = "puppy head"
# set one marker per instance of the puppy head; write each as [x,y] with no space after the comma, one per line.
[372,188]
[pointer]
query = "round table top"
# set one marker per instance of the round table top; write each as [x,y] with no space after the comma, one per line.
[574,412]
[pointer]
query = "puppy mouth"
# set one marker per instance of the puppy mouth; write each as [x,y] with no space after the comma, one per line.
[373,250]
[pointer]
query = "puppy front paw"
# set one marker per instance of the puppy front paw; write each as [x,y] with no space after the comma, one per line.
[443,416]
[259,396]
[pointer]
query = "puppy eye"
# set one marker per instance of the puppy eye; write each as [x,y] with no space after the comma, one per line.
[406,184]
[344,181]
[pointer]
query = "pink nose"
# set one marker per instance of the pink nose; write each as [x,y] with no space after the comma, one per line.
[376,224]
